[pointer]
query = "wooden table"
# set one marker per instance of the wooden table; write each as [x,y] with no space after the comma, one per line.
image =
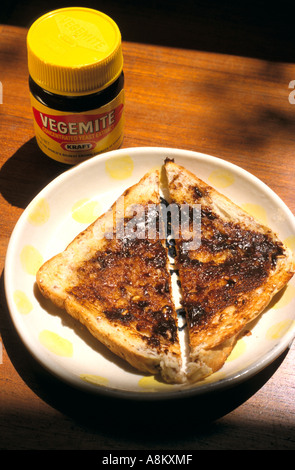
[233,107]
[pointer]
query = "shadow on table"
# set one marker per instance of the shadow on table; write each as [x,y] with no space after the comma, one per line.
[37,168]
[114,418]
[253,29]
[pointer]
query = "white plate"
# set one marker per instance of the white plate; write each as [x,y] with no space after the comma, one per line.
[65,207]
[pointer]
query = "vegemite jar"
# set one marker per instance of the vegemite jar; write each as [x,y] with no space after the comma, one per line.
[76,83]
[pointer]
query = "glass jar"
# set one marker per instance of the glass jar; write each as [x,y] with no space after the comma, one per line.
[76,83]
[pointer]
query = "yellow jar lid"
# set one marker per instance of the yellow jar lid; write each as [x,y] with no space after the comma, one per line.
[74,51]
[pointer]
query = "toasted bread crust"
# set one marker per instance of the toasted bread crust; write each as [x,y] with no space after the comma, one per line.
[230,278]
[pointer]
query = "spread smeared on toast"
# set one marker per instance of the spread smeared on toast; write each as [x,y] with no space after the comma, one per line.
[114,278]
[130,282]
[230,263]
[119,286]
[229,279]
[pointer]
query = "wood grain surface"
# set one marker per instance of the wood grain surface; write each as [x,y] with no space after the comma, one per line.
[226,105]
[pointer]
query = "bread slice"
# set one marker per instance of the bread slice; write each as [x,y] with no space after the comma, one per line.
[230,278]
[114,277]
[115,280]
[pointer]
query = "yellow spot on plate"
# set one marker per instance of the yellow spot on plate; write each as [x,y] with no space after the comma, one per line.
[23,304]
[257,211]
[94,379]
[286,298]
[39,213]
[31,259]
[217,376]
[221,178]
[238,350]
[151,383]
[278,330]
[290,242]
[120,168]
[56,344]
[86,211]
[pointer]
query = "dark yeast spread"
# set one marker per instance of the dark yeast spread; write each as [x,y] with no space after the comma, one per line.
[130,279]
[231,261]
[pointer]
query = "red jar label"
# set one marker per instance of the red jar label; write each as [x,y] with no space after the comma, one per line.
[74,137]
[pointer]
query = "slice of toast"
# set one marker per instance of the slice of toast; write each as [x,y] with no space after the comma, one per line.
[115,280]
[230,277]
